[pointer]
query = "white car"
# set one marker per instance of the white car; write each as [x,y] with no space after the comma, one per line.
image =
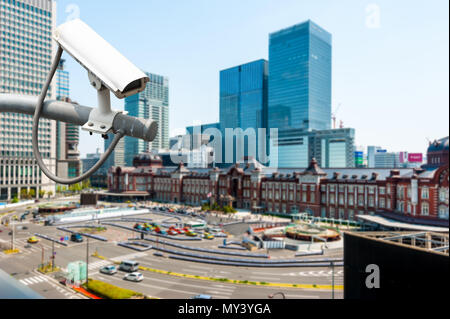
[134,276]
[109,270]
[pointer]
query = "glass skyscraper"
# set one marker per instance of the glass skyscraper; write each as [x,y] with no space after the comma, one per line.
[243,99]
[152,103]
[67,135]
[331,148]
[300,78]
[26,51]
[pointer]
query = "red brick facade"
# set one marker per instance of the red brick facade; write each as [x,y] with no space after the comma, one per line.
[342,193]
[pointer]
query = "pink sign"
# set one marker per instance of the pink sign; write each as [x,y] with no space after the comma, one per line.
[415,157]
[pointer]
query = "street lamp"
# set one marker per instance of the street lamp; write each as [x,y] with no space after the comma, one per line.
[277,293]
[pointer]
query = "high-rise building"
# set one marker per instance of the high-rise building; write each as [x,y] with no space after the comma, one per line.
[152,103]
[117,157]
[300,78]
[371,150]
[243,105]
[67,135]
[296,148]
[26,51]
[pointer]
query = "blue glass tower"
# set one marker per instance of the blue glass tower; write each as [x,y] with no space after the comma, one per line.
[243,98]
[300,78]
[152,103]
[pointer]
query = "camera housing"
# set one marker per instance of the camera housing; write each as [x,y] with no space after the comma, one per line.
[100,59]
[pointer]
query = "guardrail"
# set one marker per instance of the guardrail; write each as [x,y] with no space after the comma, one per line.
[206,250]
[240,264]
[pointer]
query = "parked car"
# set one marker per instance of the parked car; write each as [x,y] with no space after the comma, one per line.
[201,296]
[134,276]
[77,238]
[138,226]
[172,232]
[129,266]
[190,233]
[33,240]
[208,236]
[109,270]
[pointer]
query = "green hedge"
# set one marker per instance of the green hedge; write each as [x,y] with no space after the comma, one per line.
[108,291]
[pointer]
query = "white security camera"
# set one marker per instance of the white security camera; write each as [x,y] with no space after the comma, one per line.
[100,59]
[108,70]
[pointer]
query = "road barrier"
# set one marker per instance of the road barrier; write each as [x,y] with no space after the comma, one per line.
[66,229]
[232,247]
[322,262]
[241,264]
[213,251]
[50,239]
[133,244]
[314,253]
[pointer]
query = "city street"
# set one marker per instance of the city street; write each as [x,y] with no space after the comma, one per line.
[23,265]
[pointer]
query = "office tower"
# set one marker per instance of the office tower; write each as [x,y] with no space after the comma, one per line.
[371,150]
[296,148]
[243,104]
[152,103]
[117,157]
[385,159]
[67,135]
[90,160]
[300,78]
[26,51]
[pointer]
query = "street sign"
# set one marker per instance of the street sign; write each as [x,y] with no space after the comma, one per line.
[61,239]
[66,238]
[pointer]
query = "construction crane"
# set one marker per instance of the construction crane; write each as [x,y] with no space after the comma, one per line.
[333,116]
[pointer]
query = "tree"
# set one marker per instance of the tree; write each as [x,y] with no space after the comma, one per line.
[15,200]
[86,184]
[50,194]
[32,193]
[42,193]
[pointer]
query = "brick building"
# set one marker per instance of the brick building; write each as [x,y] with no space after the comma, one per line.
[415,194]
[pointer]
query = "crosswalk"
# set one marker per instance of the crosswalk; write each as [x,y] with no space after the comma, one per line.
[34,280]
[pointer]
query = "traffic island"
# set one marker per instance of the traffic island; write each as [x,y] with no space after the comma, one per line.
[11,251]
[102,290]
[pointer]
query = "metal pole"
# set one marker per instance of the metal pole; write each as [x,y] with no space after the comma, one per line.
[12,235]
[42,257]
[53,255]
[87,261]
[332,279]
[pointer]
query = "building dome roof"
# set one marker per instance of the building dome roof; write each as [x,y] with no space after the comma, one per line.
[439,145]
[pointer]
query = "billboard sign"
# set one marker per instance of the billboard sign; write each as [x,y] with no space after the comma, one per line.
[415,157]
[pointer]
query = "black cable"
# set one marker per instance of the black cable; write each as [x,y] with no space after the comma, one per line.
[36,117]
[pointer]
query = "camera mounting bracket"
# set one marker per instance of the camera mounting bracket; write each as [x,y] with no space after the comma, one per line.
[101,118]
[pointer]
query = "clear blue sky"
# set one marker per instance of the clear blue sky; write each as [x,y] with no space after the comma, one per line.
[392,80]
